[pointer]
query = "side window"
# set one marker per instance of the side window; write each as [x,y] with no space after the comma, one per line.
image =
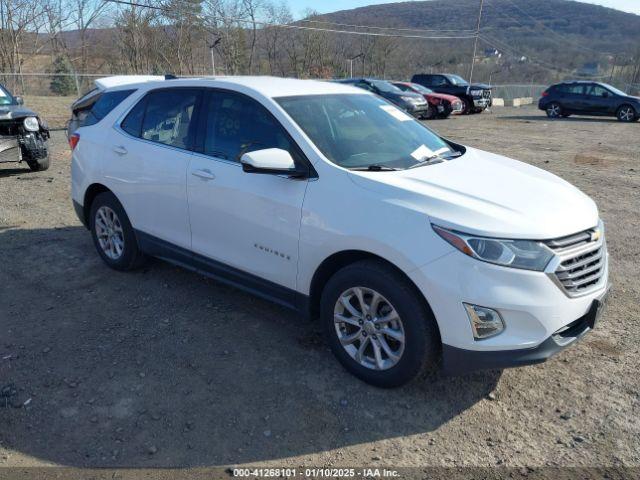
[105,104]
[365,86]
[402,87]
[236,124]
[168,115]
[426,80]
[597,91]
[132,124]
[438,81]
[576,89]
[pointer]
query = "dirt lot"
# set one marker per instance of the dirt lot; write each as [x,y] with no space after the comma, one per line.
[164,367]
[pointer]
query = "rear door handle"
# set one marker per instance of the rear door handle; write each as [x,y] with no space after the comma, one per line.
[203,174]
[120,150]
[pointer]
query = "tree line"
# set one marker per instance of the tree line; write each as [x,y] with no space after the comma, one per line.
[187,37]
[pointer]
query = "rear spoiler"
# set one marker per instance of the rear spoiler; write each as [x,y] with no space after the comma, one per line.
[102,84]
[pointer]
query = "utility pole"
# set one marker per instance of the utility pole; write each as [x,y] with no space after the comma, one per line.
[351,64]
[213,60]
[475,44]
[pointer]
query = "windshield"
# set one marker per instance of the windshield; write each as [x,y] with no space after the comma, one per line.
[420,88]
[364,131]
[614,89]
[457,80]
[385,86]
[5,97]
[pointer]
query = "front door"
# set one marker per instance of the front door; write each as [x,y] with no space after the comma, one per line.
[249,222]
[599,99]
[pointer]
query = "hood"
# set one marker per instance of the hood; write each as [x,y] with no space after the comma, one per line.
[442,96]
[401,94]
[483,86]
[11,112]
[486,194]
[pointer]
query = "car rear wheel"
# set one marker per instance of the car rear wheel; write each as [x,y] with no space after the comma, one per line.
[377,326]
[554,110]
[626,113]
[113,235]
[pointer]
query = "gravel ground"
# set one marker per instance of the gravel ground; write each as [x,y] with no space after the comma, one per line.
[165,368]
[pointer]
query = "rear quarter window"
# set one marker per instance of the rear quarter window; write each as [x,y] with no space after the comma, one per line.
[105,104]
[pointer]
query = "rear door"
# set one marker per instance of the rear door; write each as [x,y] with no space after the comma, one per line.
[573,98]
[249,222]
[148,157]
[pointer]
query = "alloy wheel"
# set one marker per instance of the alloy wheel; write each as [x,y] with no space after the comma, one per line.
[109,232]
[369,328]
[626,114]
[554,110]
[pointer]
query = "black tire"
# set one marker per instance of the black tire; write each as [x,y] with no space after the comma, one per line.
[131,257]
[466,106]
[554,110]
[39,164]
[627,113]
[431,112]
[422,343]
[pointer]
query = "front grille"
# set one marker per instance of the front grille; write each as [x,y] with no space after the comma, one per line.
[486,93]
[582,261]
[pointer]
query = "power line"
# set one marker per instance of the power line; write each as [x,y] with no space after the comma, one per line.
[300,27]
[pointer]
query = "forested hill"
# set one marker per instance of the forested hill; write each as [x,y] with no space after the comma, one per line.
[554,31]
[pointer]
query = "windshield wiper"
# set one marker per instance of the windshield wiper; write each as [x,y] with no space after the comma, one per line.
[433,159]
[374,168]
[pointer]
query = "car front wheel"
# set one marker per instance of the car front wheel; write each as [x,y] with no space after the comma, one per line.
[626,113]
[377,326]
[554,110]
[112,233]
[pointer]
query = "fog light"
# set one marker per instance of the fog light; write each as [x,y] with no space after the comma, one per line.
[485,322]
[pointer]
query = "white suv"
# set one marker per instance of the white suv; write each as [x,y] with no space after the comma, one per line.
[411,249]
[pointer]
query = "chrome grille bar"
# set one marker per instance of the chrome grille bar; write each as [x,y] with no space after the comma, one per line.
[581,261]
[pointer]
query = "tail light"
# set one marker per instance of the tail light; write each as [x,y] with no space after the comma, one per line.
[545,93]
[73,141]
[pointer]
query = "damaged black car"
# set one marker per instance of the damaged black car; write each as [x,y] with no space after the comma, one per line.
[23,134]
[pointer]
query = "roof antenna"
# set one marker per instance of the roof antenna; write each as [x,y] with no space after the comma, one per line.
[170,76]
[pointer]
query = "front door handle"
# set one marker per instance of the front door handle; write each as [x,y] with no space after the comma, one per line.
[203,174]
[120,150]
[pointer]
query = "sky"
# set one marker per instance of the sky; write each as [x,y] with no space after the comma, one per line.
[298,6]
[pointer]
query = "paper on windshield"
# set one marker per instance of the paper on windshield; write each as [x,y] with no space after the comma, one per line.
[423,152]
[396,113]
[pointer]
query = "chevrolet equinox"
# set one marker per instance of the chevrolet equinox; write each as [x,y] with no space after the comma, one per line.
[412,250]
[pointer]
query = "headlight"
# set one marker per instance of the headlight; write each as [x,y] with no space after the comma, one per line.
[476,93]
[524,254]
[31,124]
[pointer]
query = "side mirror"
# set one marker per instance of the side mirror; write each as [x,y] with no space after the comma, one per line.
[19,100]
[273,161]
[605,94]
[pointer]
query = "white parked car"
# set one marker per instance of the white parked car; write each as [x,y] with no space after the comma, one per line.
[411,249]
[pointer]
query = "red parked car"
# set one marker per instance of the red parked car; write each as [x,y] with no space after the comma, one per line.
[441,105]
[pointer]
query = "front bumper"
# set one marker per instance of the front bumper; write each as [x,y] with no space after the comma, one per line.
[10,150]
[459,361]
[483,102]
[418,111]
[534,307]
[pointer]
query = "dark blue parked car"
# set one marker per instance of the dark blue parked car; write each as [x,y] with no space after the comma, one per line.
[589,98]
